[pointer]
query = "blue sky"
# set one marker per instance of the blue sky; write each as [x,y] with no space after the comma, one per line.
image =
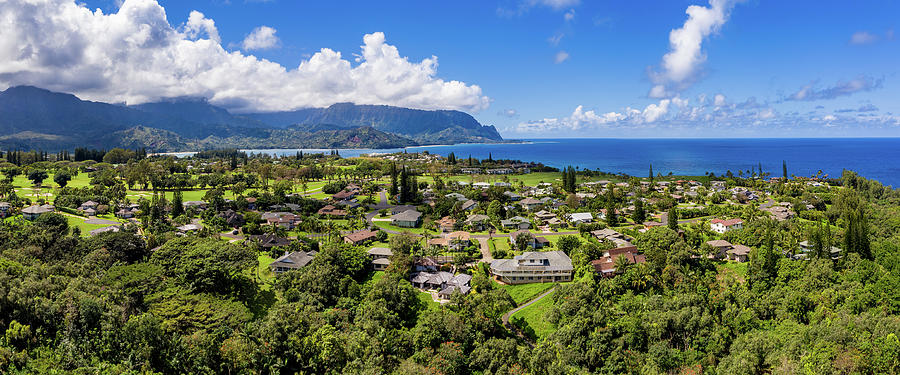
[533,68]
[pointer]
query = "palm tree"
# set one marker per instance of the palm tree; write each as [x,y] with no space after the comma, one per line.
[622,264]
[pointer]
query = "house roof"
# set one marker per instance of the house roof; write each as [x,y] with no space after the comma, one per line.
[409,215]
[380,251]
[530,201]
[580,216]
[35,210]
[740,250]
[719,243]
[459,236]
[295,260]
[476,218]
[360,235]
[726,223]
[554,261]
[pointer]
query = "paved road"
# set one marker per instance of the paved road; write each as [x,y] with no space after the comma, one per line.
[485,250]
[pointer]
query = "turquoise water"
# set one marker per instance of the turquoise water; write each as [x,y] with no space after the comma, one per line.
[877,158]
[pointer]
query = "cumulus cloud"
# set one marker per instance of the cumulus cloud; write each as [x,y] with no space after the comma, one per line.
[863,37]
[555,39]
[719,100]
[523,6]
[198,24]
[262,37]
[560,57]
[136,55]
[842,88]
[554,4]
[570,15]
[511,113]
[681,64]
[863,108]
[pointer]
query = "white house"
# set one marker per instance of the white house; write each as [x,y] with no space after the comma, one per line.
[722,226]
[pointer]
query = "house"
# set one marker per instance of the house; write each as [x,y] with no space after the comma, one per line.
[199,205]
[270,240]
[33,212]
[459,283]
[512,196]
[285,220]
[606,265]
[188,228]
[722,226]
[534,267]
[342,195]
[446,224]
[469,205]
[531,241]
[470,170]
[251,203]
[611,235]
[381,257]
[4,209]
[721,247]
[291,261]
[360,237]
[398,209]
[544,215]
[806,248]
[739,253]
[236,220]
[530,203]
[98,231]
[516,222]
[444,282]
[332,211]
[89,212]
[502,184]
[407,219]
[124,214]
[581,218]
[477,222]
[458,241]
[456,196]
[89,205]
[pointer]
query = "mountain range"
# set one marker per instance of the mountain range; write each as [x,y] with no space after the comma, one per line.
[35,118]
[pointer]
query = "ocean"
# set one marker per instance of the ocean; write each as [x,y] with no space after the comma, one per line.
[876,158]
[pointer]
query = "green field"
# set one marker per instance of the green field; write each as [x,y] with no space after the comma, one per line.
[533,318]
[522,293]
[738,269]
[264,274]
[85,227]
[387,225]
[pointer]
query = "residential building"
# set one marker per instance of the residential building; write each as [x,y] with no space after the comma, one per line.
[739,253]
[270,240]
[722,226]
[4,209]
[33,212]
[581,218]
[534,267]
[332,211]
[530,203]
[721,247]
[407,219]
[444,282]
[477,222]
[446,224]
[532,241]
[291,261]
[469,205]
[606,265]
[98,231]
[360,237]
[608,234]
[516,222]
[381,258]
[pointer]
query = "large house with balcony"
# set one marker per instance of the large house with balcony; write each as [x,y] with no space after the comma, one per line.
[534,267]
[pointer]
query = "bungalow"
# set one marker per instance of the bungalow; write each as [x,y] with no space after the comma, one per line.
[477,222]
[251,203]
[611,235]
[470,170]
[534,267]
[199,205]
[332,211]
[124,214]
[530,203]
[98,231]
[512,196]
[236,220]
[381,257]
[188,228]
[456,196]
[89,212]
[444,282]
[447,224]
[606,265]
[722,226]
[459,283]
[360,237]
[721,248]
[458,241]
[581,218]
[285,220]
[33,212]
[342,195]
[531,241]
[270,240]
[88,205]
[469,205]
[502,184]
[4,209]
[739,253]
[407,219]
[544,215]
[481,185]
[516,222]
[398,209]
[291,261]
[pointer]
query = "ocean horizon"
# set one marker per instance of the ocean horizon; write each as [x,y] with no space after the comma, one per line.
[875,158]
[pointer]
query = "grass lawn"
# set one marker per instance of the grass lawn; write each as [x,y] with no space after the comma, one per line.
[85,227]
[522,293]
[533,321]
[429,302]
[387,225]
[264,274]
[499,244]
[738,269]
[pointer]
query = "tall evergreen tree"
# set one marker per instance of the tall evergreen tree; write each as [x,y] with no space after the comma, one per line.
[177,201]
[784,169]
[394,189]
[672,219]
[651,173]
[639,215]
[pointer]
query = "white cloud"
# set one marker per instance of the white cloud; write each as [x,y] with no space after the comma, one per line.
[841,88]
[511,113]
[863,37]
[681,64]
[719,100]
[654,111]
[136,55]
[560,57]
[555,39]
[555,4]
[262,37]
[569,16]
[198,23]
